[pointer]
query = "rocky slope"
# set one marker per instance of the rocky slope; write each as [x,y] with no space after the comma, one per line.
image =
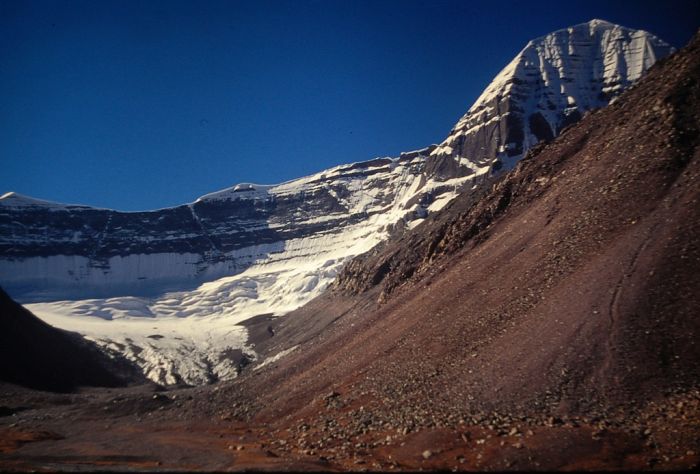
[189,275]
[567,296]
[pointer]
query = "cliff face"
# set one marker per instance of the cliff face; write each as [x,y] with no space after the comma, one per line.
[549,85]
[62,251]
[662,135]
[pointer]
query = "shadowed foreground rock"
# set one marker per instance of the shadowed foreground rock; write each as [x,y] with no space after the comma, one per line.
[36,355]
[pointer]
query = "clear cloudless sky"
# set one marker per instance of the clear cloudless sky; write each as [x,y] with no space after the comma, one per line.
[138,104]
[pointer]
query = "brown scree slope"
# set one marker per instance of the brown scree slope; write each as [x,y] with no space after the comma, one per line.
[571,289]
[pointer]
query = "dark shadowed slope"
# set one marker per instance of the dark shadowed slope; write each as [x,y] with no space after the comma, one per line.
[36,355]
[571,289]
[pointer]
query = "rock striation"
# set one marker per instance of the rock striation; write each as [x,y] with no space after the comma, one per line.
[549,85]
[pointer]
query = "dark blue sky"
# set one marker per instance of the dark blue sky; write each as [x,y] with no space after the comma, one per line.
[144,104]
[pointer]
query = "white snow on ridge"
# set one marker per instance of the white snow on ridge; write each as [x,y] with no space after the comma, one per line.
[18,201]
[276,357]
[571,70]
[239,191]
[621,52]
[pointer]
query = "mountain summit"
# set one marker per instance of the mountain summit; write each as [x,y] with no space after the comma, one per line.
[547,86]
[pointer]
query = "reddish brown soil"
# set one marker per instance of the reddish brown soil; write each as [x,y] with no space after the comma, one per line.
[552,324]
[157,439]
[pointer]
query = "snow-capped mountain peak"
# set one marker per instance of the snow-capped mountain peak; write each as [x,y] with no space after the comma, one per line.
[19,201]
[551,82]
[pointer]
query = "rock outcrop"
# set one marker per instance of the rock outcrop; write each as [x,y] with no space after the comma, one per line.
[549,85]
